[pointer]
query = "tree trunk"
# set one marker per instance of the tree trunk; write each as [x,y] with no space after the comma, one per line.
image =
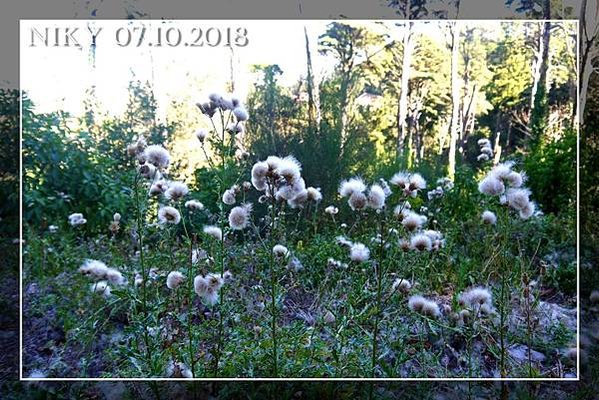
[539,109]
[588,36]
[405,81]
[455,99]
[313,106]
[536,72]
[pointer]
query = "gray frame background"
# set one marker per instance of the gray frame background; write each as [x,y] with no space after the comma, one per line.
[11,11]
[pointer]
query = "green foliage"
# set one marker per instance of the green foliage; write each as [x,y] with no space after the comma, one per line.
[551,169]
[73,165]
[509,62]
[9,161]
[64,174]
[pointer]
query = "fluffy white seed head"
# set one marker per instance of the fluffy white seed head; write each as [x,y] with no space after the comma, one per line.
[421,242]
[76,219]
[273,162]
[207,287]
[176,191]
[239,217]
[229,197]
[240,113]
[210,298]
[116,217]
[299,200]
[194,205]
[401,284]
[431,309]
[357,201]
[158,187]
[483,142]
[289,168]
[101,287]
[314,194]
[528,210]
[515,179]
[260,169]
[489,217]
[331,210]
[148,171]
[402,210]
[94,267]
[215,281]
[518,198]
[487,150]
[501,171]
[174,279]
[416,303]
[423,306]
[491,185]
[401,179]
[259,183]
[351,186]
[178,370]
[169,215]
[200,285]
[475,297]
[280,251]
[157,155]
[213,231]
[376,197]
[115,277]
[201,134]
[359,252]
[412,221]
[417,182]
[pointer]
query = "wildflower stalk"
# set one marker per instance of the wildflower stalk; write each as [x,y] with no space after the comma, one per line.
[144,275]
[503,294]
[190,276]
[379,291]
[221,219]
[273,292]
[219,338]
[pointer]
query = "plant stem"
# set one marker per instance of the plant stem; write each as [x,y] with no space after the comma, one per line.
[143,271]
[379,278]
[273,291]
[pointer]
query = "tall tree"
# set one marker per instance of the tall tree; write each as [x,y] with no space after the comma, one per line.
[538,109]
[408,9]
[589,51]
[350,45]
[455,98]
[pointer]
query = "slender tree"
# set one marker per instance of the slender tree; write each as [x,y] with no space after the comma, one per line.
[589,51]
[455,98]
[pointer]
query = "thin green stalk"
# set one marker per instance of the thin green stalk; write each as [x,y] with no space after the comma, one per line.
[189,294]
[379,278]
[222,310]
[273,292]
[143,271]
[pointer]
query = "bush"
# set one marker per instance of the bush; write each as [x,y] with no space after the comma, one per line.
[552,174]
[65,173]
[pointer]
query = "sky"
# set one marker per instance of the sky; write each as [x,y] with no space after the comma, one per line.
[57,77]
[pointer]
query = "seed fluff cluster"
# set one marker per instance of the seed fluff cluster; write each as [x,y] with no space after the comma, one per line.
[486,150]
[280,178]
[208,287]
[502,181]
